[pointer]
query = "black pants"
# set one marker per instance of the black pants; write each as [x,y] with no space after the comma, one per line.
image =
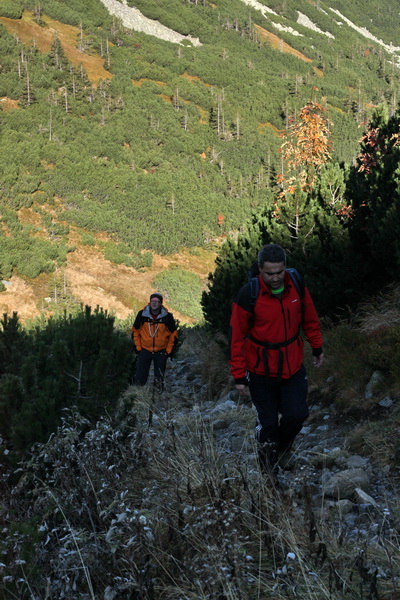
[143,364]
[281,407]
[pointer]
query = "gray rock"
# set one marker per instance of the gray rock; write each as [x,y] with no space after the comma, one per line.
[357,462]
[328,458]
[374,385]
[386,402]
[233,395]
[223,406]
[362,497]
[220,424]
[344,507]
[344,483]
[305,430]
[132,18]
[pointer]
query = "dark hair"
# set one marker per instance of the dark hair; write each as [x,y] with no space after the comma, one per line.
[157,295]
[271,253]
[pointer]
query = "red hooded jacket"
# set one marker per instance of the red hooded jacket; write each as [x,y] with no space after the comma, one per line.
[273,322]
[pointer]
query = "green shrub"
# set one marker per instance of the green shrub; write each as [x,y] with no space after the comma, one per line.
[72,360]
[118,254]
[11,9]
[382,350]
[141,260]
[182,291]
[88,240]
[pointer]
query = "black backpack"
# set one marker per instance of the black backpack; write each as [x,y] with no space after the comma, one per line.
[254,282]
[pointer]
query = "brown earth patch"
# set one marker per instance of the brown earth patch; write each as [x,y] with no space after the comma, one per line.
[19,297]
[262,126]
[95,281]
[279,44]
[318,72]
[29,32]
[28,216]
[123,290]
[139,82]
[8,104]
[195,79]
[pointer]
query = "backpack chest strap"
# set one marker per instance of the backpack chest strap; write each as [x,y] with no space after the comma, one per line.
[273,345]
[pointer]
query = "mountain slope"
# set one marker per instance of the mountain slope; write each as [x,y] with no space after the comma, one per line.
[157,144]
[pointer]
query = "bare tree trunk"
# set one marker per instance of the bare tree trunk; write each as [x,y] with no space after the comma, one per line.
[51,125]
[66,98]
[28,86]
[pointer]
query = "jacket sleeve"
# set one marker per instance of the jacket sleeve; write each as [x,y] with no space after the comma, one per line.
[173,333]
[171,342]
[310,323]
[135,331]
[239,327]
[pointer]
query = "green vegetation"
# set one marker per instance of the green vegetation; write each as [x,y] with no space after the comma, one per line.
[182,291]
[122,494]
[179,135]
[76,360]
[341,231]
[120,255]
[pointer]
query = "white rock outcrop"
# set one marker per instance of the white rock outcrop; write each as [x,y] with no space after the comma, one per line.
[306,22]
[132,18]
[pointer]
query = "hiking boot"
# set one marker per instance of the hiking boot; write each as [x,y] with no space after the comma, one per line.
[286,460]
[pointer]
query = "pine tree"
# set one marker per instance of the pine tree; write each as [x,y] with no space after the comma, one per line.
[374,194]
[76,360]
[307,217]
[57,56]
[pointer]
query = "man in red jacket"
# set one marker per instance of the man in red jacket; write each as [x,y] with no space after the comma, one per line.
[267,352]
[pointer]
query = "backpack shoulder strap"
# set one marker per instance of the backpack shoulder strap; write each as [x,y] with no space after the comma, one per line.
[254,291]
[254,285]
[138,320]
[298,281]
[170,322]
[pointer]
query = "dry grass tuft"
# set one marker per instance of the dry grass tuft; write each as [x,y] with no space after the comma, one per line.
[381,312]
[211,353]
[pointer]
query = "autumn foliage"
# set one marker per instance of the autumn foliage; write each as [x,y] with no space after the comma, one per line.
[375,145]
[305,149]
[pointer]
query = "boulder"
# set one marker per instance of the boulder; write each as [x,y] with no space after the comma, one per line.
[344,483]
[374,385]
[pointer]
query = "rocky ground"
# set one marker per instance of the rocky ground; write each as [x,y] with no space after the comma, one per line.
[361,496]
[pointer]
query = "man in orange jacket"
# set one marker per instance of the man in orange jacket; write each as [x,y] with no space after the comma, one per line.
[154,334]
[266,352]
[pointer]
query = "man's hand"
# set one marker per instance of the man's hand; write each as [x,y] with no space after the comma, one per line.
[318,360]
[242,389]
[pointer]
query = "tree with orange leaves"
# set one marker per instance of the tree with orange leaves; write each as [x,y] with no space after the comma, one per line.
[304,151]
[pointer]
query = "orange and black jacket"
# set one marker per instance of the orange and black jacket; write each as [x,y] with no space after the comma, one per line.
[154,333]
[266,339]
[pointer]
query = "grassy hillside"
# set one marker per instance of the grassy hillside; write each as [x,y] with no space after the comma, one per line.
[105,130]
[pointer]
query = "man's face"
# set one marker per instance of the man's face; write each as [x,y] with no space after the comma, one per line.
[155,304]
[273,274]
